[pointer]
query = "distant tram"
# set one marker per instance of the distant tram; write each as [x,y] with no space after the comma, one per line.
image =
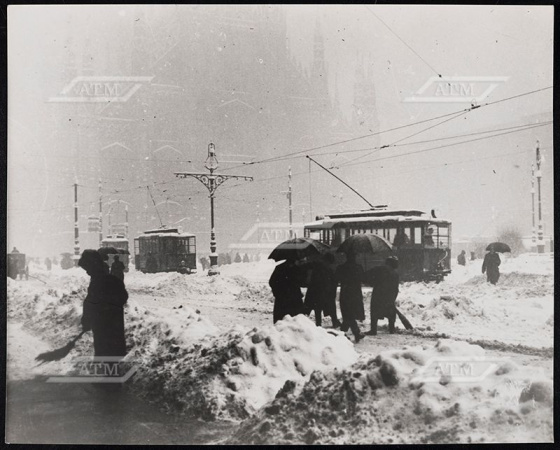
[120,243]
[165,250]
[422,243]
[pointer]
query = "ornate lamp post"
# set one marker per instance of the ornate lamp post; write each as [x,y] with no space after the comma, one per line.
[211,181]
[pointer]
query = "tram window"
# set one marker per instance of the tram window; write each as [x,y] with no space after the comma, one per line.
[191,245]
[416,235]
[314,235]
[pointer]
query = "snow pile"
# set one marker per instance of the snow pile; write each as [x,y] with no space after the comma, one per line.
[232,375]
[172,284]
[253,271]
[466,306]
[256,293]
[182,360]
[450,393]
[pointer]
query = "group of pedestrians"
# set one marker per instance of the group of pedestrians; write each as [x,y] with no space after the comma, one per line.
[288,277]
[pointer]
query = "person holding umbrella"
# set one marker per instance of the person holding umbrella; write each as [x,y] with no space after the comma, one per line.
[288,277]
[285,284]
[103,307]
[491,265]
[117,268]
[349,275]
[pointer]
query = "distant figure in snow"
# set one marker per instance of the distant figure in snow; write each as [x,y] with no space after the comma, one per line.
[462,259]
[385,282]
[182,267]
[204,262]
[117,268]
[285,284]
[15,250]
[321,292]
[401,238]
[103,307]
[349,275]
[491,265]
[473,256]
[48,263]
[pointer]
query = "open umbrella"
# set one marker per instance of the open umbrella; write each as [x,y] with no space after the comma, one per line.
[104,251]
[298,248]
[59,353]
[365,243]
[499,247]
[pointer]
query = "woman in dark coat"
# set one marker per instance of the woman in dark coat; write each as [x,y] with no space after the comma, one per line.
[321,292]
[103,307]
[385,282]
[491,266]
[349,275]
[285,283]
[117,268]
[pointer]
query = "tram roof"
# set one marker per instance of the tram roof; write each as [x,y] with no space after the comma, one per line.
[162,232]
[330,222]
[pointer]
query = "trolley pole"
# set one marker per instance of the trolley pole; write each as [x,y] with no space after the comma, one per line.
[540,240]
[290,202]
[76,227]
[290,206]
[212,181]
[100,216]
[533,230]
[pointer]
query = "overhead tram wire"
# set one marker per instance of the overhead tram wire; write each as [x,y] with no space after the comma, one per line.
[312,149]
[400,39]
[405,154]
[407,137]
[448,145]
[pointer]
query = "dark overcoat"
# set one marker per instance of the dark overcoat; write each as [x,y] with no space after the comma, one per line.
[104,314]
[321,292]
[285,283]
[385,283]
[350,275]
[491,265]
[117,269]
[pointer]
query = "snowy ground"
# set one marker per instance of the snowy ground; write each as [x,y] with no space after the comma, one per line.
[206,347]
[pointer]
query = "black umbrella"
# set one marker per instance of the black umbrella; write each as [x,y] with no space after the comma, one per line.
[499,247]
[104,251]
[365,243]
[298,248]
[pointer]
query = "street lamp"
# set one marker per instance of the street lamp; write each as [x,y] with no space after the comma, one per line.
[212,181]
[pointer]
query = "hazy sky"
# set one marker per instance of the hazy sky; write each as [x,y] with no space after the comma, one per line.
[482,186]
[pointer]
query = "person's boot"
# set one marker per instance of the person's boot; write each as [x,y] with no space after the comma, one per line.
[373,330]
[336,323]
[391,327]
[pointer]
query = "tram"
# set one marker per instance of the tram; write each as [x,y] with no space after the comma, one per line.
[165,250]
[421,242]
[120,244]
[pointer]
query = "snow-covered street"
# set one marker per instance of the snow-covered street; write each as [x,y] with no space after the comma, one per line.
[205,347]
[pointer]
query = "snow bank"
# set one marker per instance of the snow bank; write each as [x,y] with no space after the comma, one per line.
[183,360]
[232,375]
[450,393]
[466,306]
